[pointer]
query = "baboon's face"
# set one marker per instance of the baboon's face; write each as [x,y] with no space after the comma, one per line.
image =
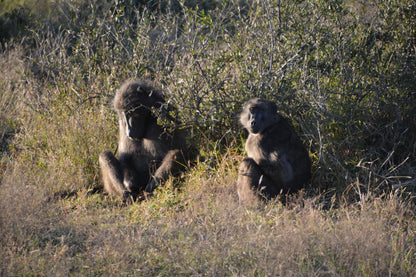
[135,104]
[135,122]
[257,115]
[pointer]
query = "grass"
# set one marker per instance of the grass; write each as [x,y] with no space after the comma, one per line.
[344,78]
[202,230]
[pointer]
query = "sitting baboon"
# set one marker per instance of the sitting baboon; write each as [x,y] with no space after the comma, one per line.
[277,161]
[148,153]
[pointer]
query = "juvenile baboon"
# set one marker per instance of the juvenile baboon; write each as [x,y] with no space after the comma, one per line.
[277,161]
[148,153]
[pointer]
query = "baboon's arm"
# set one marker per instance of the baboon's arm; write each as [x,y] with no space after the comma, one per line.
[112,175]
[171,165]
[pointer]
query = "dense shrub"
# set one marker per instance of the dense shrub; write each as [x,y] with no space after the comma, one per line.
[343,71]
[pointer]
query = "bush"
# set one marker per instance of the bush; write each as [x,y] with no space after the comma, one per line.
[341,70]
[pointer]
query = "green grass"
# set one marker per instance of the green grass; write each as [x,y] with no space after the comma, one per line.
[342,71]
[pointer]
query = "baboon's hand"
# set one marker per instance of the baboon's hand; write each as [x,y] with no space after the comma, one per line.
[152,185]
[127,197]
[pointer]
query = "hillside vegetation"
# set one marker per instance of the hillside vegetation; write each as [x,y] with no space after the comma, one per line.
[343,71]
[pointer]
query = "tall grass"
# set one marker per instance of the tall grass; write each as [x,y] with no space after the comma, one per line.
[343,71]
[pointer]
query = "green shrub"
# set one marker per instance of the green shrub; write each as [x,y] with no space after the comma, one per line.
[342,71]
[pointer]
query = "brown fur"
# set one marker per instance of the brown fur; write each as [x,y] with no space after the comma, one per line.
[277,161]
[148,154]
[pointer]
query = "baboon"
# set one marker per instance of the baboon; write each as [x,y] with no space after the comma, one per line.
[277,161]
[148,153]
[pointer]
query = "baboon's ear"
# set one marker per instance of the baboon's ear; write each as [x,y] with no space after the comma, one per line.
[272,107]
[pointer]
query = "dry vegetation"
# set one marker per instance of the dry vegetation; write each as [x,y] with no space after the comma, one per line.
[343,71]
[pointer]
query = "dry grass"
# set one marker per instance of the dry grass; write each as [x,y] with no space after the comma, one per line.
[200,229]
